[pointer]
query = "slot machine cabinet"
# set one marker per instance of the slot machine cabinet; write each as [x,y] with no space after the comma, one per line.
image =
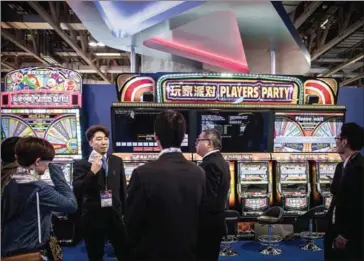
[293,185]
[323,177]
[254,185]
[45,102]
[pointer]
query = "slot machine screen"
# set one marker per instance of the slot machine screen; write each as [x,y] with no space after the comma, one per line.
[240,131]
[326,171]
[67,170]
[133,130]
[306,132]
[293,172]
[253,172]
[61,127]
[129,167]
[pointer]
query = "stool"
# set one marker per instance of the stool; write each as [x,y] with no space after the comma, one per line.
[309,236]
[231,222]
[269,217]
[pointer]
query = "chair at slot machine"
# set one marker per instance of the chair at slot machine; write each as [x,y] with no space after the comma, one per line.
[231,236]
[270,217]
[310,236]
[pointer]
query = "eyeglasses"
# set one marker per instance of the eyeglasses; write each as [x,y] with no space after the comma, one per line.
[198,140]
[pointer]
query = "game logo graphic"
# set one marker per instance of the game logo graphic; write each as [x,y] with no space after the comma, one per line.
[293,172]
[42,87]
[306,132]
[226,88]
[61,127]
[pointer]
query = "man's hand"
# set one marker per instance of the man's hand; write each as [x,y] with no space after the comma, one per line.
[96,165]
[340,242]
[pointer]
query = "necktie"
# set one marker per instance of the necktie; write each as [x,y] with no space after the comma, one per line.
[103,161]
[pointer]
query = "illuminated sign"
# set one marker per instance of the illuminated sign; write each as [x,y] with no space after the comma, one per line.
[144,156]
[326,157]
[226,88]
[42,87]
[27,99]
[247,91]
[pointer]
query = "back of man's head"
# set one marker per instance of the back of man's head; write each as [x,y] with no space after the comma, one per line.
[29,149]
[8,149]
[170,129]
[354,134]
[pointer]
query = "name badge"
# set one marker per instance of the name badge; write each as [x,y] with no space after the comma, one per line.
[106,198]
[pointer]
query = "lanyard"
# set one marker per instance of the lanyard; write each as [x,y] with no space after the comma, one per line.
[105,167]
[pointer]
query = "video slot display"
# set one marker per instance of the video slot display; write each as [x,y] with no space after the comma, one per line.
[293,173]
[306,132]
[326,172]
[241,131]
[133,130]
[253,172]
[61,127]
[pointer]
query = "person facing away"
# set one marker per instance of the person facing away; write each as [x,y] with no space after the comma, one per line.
[208,146]
[347,213]
[99,182]
[9,165]
[20,201]
[165,197]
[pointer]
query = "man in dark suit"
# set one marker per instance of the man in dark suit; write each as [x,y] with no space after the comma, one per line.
[164,198]
[330,234]
[212,229]
[100,184]
[347,212]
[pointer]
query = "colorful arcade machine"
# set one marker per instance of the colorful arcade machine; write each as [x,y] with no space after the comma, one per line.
[255,188]
[307,139]
[45,102]
[250,111]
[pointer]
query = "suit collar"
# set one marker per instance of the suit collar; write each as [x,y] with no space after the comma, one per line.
[211,154]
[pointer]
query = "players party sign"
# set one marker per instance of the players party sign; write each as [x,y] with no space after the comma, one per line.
[226,88]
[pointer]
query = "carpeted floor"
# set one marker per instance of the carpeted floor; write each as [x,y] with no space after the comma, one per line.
[248,250]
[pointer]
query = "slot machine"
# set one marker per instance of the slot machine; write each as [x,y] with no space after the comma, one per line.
[254,184]
[324,171]
[293,185]
[45,102]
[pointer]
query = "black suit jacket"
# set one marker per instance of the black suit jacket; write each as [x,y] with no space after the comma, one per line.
[87,186]
[217,187]
[349,203]
[162,210]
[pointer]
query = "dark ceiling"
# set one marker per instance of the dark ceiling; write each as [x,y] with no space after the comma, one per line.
[333,32]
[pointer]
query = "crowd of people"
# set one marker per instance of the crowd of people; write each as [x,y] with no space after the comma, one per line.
[172,209]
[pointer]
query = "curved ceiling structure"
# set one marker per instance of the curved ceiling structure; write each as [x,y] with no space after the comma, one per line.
[229,36]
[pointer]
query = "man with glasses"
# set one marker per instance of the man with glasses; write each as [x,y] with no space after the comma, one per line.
[212,229]
[347,212]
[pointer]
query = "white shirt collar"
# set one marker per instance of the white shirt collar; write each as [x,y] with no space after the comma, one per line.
[169,150]
[209,153]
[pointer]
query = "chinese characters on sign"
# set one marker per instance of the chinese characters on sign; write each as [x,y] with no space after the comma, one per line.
[248,91]
[51,99]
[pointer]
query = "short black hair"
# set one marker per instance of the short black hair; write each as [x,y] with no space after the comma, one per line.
[29,149]
[354,134]
[8,149]
[170,128]
[90,133]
